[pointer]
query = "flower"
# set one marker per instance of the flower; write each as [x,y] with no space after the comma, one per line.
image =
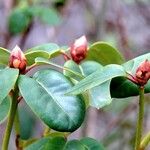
[17,59]
[78,50]
[143,73]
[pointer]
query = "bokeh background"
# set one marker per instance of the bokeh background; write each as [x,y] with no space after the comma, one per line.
[124,24]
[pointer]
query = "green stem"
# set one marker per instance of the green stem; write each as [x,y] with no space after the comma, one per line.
[60,67]
[145,142]
[46,131]
[11,118]
[139,128]
[17,129]
[17,123]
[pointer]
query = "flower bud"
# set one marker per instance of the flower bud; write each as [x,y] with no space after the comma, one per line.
[17,59]
[78,50]
[143,73]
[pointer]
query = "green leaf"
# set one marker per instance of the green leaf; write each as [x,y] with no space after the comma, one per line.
[19,21]
[59,143]
[96,98]
[4,109]
[92,144]
[42,61]
[84,144]
[133,64]
[8,79]
[46,98]
[27,122]
[4,56]
[104,54]
[46,51]
[74,145]
[46,15]
[97,78]
[48,143]
[121,87]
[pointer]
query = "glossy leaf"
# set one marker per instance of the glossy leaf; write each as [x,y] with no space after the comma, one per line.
[4,56]
[104,54]
[133,64]
[121,87]
[46,98]
[8,79]
[84,144]
[97,78]
[99,96]
[74,145]
[4,109]
[48,143]
[46,51]
[27,122]
[92,144]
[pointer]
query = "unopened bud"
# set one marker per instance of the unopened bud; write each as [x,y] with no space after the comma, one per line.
[17,59]
[79,49]
[143,73]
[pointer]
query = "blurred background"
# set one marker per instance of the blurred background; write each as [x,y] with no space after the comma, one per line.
[124,24]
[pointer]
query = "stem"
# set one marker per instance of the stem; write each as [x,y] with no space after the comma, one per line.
[140,119]
[11,118]
[145,142]
[17,130]
[46,131]
[17,123]
[66,57]
[62,68]
[31,67]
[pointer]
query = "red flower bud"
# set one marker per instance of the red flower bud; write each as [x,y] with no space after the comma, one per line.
[79,49]
[17,59]
[143,73]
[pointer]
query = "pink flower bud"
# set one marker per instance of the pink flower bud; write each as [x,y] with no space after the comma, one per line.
[143,73]
[78,50]
[17,59]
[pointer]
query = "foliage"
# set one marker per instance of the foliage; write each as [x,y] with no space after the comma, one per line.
[60,98]
[21,17]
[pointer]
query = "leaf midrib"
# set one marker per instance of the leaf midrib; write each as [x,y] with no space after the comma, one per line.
[55,100]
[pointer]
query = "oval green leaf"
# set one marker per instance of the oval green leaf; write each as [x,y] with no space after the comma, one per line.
[133,64]
[104,54]
[99,96]
[74,145]
[18,20]
[46,51]
[8,79]
[46,98]
[48,143]
[4,56]
[4,109]
[84,144]
[92,144]
[121,87]
[97,78]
